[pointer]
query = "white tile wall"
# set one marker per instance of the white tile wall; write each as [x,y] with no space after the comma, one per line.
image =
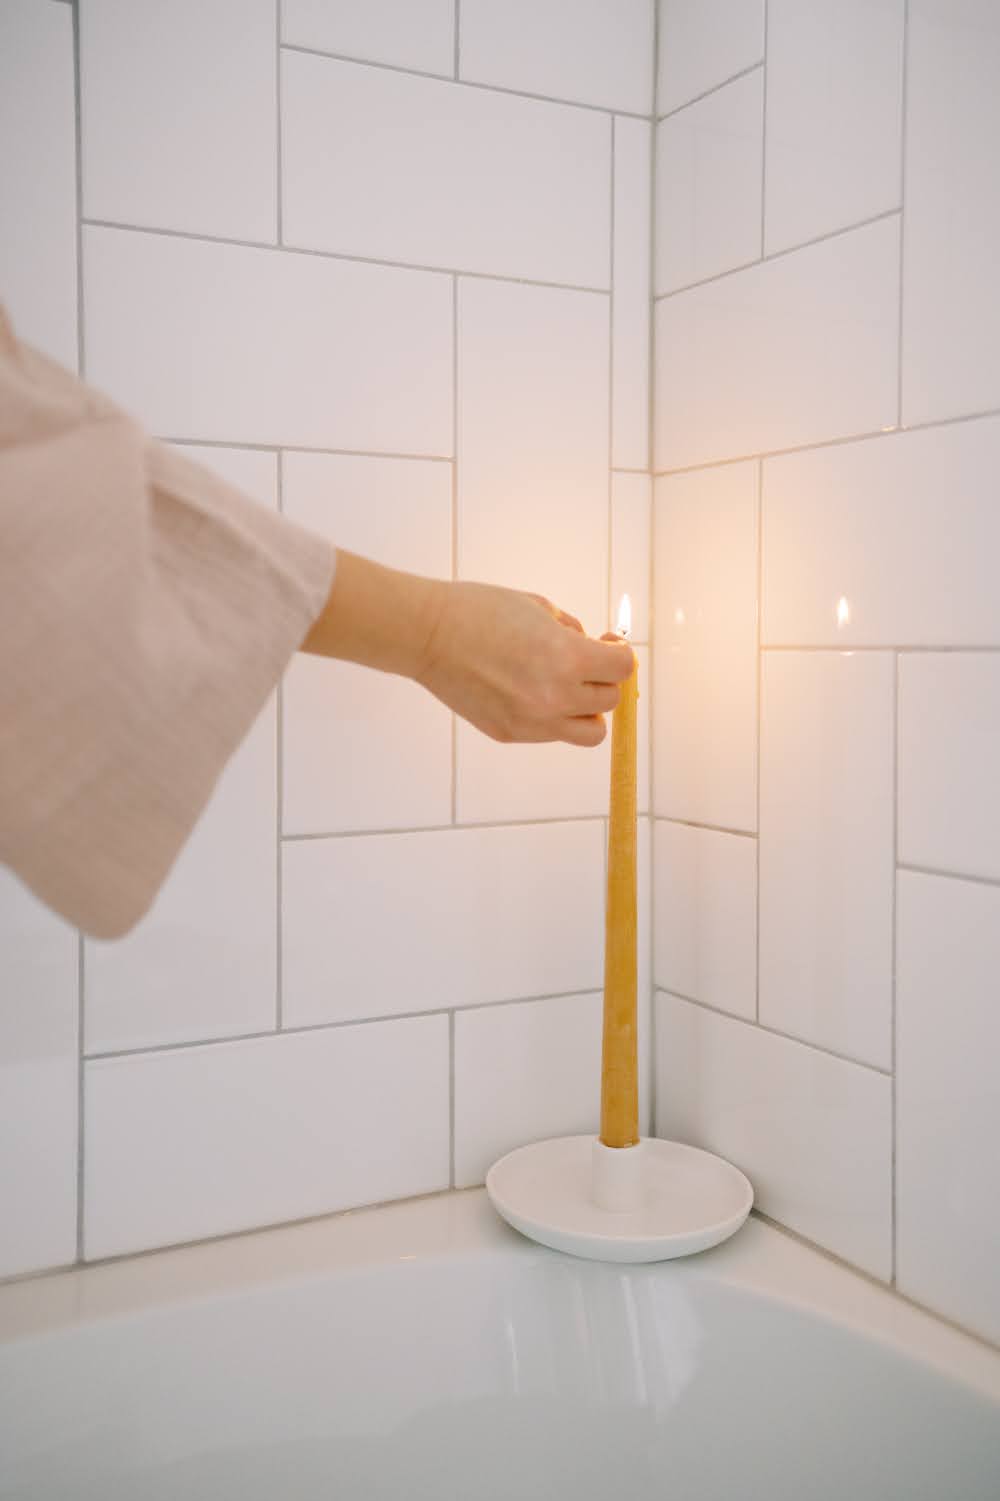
[39,1010]
[834,115]
[889,526]
[704,42]
[800,349]
[705,665]
[826,849]
[951,314]
[179,115]
[709,165]
[236,345]
[705,924]
[630,310]
[813,1134]
[949,752]
[38,175]
[599,53]
[947,1105]
[475,915]
[235,1134]
[417,34]
[631,499]
[387,165]
[533,487]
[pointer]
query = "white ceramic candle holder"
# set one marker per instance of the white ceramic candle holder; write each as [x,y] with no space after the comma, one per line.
[649,1202]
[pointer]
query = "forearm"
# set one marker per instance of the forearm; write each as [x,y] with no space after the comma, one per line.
[376,616]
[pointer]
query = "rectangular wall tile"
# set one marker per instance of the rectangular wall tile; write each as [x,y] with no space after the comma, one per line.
[474,915]
[797,350]
[38,175]
[631,542]
[708,184]
[204,1141]
[834,115]
[250,469]
[600,53]
[241,345]
[812,1133]
[826,849]
[630,312]
[704,42]
[345,763]
[203,962]
[533,443]
[951,314]
[39,1065]
[524,1073]
[947,1105]
[949,749]
[179,115]
[868,523]
[705,926]
[416,34]
[705,658]
[387,165]
[502,783]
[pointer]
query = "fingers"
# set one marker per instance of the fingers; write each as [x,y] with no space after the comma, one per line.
[589,730]
[606,661]
[595,698]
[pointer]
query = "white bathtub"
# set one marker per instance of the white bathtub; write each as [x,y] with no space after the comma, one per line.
[426,1351]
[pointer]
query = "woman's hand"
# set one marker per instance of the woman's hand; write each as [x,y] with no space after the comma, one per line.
[510,663]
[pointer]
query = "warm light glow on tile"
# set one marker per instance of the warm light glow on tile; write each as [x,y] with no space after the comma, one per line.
[843,613]
[679,616]
[624,623]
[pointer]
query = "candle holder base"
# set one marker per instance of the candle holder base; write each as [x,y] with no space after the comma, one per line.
[553,1192]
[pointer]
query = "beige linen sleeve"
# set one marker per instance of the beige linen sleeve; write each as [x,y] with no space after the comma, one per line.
[147,609]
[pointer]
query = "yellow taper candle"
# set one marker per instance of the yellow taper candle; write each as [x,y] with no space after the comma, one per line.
[620,1063]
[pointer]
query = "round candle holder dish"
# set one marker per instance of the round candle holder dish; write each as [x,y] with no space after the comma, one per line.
[649,1202]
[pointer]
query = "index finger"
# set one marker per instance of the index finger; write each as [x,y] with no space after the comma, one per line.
[606,661]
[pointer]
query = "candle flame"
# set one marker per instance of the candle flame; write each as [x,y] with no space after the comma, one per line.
[624,625]
[843,612]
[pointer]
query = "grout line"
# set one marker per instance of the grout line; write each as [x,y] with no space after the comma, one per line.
[711,828]
[81,366]
[278,178]
[862,437]
[333,1026]
[451,1099]
[339,256]
[902,206]
[279,802]
[777,255]
[892,1015]
[464,83]
[458,46]
[759,663]
[78,147]
[707,93]
[847,648]
[454,501]
[278,448]
[611,382]
[80,1086]
[763,135]
[756,1026]
[947,875]
[651,582]
[621,469]
[448,828]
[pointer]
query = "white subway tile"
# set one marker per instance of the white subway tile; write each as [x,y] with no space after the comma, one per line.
[797,350]
[179,114]
[364,749]
[194,1142]
[705,658]
[630,310]
[533,443]
[38,175]
[203,962]
[949,748]
[388,165]
[705,931]
[951,313]
[867,523]
[812,1133]
[826,849]
[947,1104]
[383,924]
[499,783]
[708,184]
[631,541]
[39,991]
[238,345]
[834,115]
[524,1073]
[600,53]
[404,33]
[704,42]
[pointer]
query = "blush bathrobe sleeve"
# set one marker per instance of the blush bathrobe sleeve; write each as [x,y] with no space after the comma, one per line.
[147,609]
